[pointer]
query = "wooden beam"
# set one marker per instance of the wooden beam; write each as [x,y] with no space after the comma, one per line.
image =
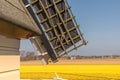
[11,30]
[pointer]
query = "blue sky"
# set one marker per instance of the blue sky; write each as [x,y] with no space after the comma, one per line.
[100,22]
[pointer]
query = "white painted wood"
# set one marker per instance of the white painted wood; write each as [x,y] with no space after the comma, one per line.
[9,62]
[9,67]
[10,76]
[9,59]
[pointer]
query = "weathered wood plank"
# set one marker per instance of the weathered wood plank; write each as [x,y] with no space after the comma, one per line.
[9,46]
[10,30]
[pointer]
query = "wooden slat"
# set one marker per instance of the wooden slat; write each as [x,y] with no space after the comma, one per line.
[9,42]
[9,67]
[9,46]
[10,30]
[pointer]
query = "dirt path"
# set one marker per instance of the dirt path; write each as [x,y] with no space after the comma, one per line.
[80,61]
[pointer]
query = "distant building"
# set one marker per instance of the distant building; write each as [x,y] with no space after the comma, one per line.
[73,57]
